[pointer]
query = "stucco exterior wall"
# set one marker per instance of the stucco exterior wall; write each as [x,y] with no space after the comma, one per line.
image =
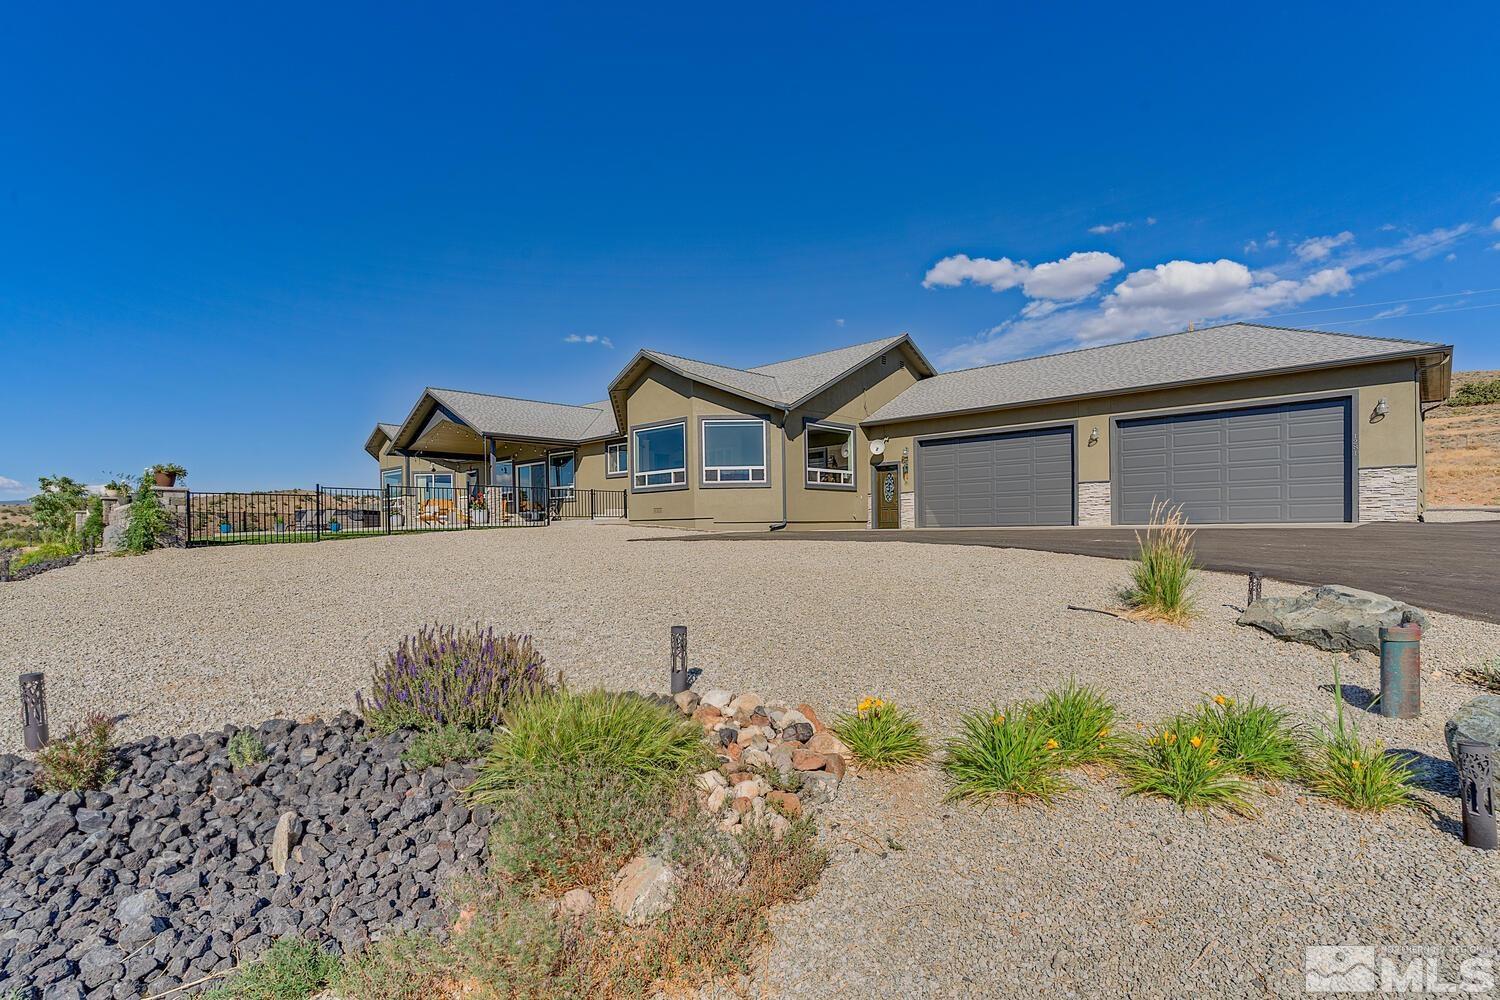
[1391,441]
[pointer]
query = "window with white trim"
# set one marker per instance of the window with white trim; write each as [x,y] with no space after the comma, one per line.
[560,467]
[434,485]
[830,454]
[659,456]
[734,451]
[616,459]
[390,477]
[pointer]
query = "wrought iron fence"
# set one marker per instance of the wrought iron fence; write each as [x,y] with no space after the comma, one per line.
[329,512]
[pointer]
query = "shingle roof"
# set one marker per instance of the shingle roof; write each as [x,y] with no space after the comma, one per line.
[528,418]
[1214,353]
[389,430]
[784,383]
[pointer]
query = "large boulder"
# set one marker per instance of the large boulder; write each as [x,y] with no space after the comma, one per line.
[1338,619]
[1478,720]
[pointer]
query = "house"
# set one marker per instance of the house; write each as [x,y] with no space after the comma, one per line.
[1241,423]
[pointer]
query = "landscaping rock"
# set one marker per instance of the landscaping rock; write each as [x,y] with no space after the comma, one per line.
[1478,720]
[643,890]
[1338,619]
[826,742]
[578,902]
[170,873]
[717,698]
[686,701]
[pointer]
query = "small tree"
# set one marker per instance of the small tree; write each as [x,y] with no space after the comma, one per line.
[93,525]
[54,506]
[148,522]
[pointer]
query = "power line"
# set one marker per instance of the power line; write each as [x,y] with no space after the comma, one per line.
[1427,315]
[1388,302]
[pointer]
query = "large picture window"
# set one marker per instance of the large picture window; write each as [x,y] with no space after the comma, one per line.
[659,456]
[390,477]
[830,454]
[734,451]
[560,473]
[434,485]
[616,459]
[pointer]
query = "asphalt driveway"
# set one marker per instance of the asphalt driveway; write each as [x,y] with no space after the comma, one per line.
[1442,567]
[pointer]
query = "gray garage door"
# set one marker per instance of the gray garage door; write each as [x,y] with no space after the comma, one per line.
[1265,464]
[996,479]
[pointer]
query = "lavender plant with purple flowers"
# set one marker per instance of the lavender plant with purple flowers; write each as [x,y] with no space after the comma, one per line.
[452,677]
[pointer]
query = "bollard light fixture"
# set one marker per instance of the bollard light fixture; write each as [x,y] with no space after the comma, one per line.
[1401,671]
[34,710]
[679,659]
[1476,789]
[1253,589]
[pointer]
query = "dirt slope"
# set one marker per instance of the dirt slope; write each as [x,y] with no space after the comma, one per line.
[1463,451]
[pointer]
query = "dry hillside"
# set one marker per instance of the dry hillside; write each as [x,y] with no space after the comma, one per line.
[1463,451]
[14,515]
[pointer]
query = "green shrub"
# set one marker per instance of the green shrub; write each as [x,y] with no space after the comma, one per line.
[1255,740]
[409,966]
[1356,774]
[1182,762]
[452,676]
[82,759]
[1004,753]
[636,738]
[245,749]
[1161,578]
[43,552]
[1476,393]
[576,827]
[93,525]
[444,745]
[882,736]
[291,969]
[1082,721]
[55,503]
[148,522]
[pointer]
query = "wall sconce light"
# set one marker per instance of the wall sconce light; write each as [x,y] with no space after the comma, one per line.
[905,462]
[1094,436]
[1382,407]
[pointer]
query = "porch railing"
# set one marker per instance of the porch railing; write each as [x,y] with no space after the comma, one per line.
[330,512]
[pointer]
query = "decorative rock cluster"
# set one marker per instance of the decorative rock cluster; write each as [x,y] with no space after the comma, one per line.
[1337,619]
[183,865]
[775,761]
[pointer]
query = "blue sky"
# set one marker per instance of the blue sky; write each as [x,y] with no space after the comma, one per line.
[237,238]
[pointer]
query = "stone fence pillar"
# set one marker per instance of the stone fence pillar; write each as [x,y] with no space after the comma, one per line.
[175,500]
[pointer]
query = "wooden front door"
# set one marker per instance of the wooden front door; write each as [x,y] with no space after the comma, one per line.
[887,498]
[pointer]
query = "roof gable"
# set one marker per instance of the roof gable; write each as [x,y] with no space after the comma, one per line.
[1235,350]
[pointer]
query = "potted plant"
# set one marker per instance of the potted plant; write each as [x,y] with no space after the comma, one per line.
[167,474]
[122,486]
[478,512]
[224,526]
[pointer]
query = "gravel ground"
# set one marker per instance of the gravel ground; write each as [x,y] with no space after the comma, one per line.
[1100,895]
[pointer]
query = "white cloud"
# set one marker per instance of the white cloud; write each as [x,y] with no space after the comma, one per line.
[1102,228]
[11,488]
[1496,224]
[953,271]
[1319,247]
[588,338]
[1073,277]
[1150,220]
[1159,299]
[839,322]
[1451,257]
[1401,310]
[1271,242]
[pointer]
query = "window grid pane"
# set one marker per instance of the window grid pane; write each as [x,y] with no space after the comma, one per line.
[830,451]
[661,456]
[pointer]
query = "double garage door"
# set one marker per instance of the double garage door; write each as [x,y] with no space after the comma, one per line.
[1265,464]
[1260,465]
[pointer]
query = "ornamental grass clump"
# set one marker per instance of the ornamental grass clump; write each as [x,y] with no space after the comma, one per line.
[630,736]
[1354,773]
[1181,760]
[1485,675]
[1081,720]
[1004,753]
[882,736]
[453,677]
[1256,740]
[1161,578]
[81,760]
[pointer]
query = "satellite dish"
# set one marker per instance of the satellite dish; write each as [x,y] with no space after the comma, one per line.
[877,448]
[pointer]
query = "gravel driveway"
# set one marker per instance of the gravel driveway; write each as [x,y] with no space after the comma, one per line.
[1098,896]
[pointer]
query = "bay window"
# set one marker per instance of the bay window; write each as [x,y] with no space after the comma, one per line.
[734,452]
[830,454]
[659,456]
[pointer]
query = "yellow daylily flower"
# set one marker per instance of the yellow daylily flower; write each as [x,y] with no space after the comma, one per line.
[1053,744]
[1196,741]
[1169,737]
[1220,700]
